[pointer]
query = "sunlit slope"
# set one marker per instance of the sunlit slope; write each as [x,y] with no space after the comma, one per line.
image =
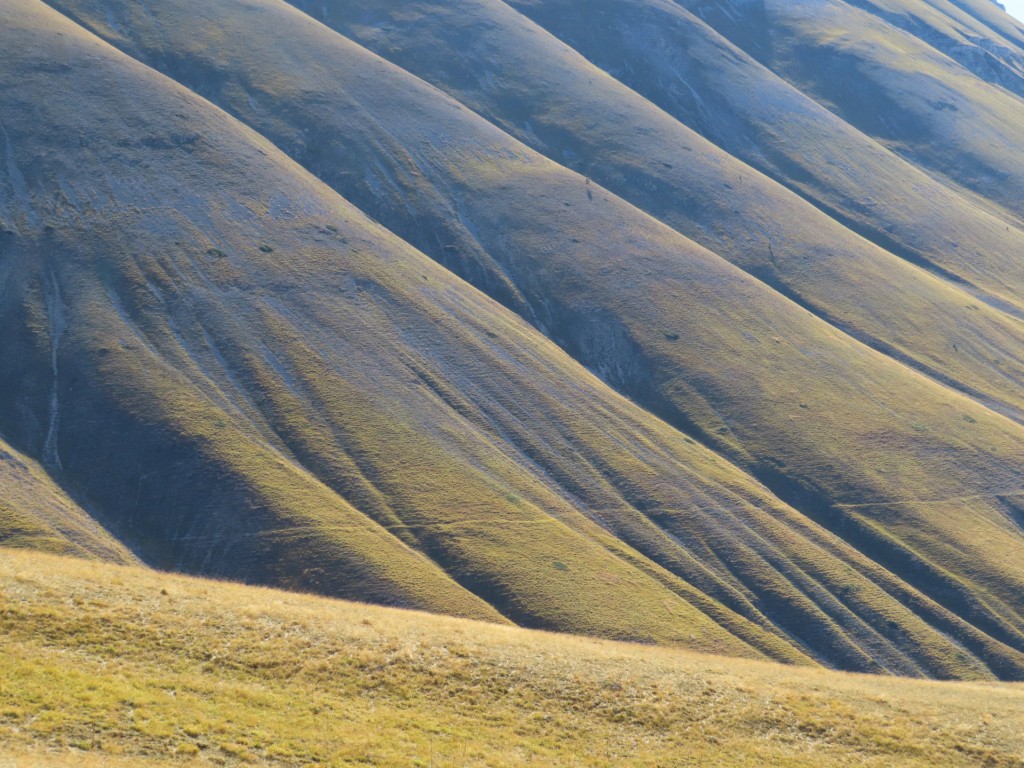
[35,513]
[270,378]
[683,66]
[1008,27]
[672,172]
[218,673]
[982,39]
[705,193]
[743,407]
[899,89]
[646,308]
[246,360]
[221,363]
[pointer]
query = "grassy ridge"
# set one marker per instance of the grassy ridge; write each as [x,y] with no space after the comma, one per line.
[212,673]
[260,386]
[36,514]
[980,39]
[689,182]
[884,297]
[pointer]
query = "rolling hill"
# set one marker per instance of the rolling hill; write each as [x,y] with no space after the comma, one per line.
[595,317]
[218,674]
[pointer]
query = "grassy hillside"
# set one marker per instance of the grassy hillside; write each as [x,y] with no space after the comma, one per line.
[614,299]
[417,162]
[686,68]
[217,674]
[899,88]
[36,514]
[674,173]
[224,337]
[683,66]
[267,353]
[633,513]
[980,39]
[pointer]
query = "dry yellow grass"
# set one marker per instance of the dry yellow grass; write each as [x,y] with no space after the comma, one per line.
[112,666]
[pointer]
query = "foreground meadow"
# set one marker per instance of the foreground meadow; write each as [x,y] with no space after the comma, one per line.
[115,666]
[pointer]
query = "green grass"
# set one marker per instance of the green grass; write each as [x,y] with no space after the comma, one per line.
[108,666]
[877,295]
[760,397]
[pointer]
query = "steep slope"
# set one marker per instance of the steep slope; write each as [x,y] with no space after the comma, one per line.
[510,198]
[947,333]
[213,332]
[36,513]
[722,403]
[705,194]
[683,66]
[214,673]
[992,15]
[975,37]
[680,64]
[216,338]
[934,112]
[672,173]
[266,366]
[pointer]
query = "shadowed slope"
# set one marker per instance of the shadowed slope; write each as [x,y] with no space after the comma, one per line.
[263,357]
[683,66]
[252,360]
[308,401]
[992,16]
[35,513]
[980,41]
[646,308]
[671,172]
[644,329]
[706,194]
[896,87]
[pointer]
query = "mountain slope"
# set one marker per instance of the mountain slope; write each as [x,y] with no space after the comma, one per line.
[983,41]
[36,513]
[935,113]
[242,375]
[222,358]
[911,516]
[460,521]
[749,570]
[694,74]
[687,69]
[737,222]
[214,386]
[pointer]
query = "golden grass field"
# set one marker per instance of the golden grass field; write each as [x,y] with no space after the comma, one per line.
[116,666]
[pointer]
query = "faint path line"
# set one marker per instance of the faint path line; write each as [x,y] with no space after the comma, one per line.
[976,497]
